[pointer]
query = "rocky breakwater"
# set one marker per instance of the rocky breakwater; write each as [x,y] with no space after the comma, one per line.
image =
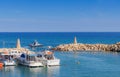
[88,47]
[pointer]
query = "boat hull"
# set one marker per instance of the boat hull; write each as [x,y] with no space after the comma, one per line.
[9,63]
[30,64]
[54,62]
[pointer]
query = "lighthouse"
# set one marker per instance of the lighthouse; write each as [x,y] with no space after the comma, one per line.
[18,46]
[75,40]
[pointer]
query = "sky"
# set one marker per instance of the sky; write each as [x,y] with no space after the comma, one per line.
[59,15]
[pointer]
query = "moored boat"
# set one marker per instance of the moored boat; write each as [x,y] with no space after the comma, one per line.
[7,59]
[29,60]
[48,58]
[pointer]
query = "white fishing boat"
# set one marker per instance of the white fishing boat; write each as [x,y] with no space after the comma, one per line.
[29,60]
[7,59]
[48,58]
[35,44]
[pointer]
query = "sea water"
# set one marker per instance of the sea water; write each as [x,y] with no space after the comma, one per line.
[73,64]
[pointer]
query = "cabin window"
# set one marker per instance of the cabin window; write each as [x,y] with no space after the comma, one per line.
[39,56]
[48,57]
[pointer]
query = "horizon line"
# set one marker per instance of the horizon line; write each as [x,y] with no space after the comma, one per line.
[63,32]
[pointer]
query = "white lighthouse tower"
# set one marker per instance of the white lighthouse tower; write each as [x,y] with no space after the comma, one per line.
[18,46]
[75,40]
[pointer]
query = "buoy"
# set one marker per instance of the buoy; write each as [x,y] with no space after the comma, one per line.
[78,62]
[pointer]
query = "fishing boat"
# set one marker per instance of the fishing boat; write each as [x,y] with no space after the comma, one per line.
[29,60]
[35,44]
[48,58]
[7,59]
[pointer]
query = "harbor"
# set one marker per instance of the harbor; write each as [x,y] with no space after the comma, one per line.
[76,63]
[72,63]
[59,38]
[25,57]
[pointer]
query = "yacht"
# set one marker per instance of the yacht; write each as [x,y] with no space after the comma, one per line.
[48,58]
[29,60]
[35,44]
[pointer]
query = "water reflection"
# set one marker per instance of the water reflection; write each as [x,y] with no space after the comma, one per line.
[53,71]
[1,68]
[9,68]
[22,71]
[6,71]
[36,70]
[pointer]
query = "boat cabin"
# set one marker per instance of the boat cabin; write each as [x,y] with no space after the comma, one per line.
[30,57]
[5,56]
[47,55]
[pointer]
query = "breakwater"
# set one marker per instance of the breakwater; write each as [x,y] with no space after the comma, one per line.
[88,47]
